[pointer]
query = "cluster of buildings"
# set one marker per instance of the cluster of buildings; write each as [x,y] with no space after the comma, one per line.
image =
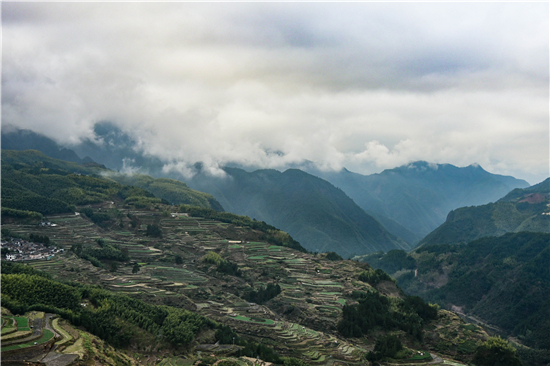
[23,250]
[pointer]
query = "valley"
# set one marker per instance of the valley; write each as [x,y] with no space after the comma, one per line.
[176,282]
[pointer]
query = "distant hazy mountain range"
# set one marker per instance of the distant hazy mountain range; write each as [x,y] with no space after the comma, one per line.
[391,210]
[417,197]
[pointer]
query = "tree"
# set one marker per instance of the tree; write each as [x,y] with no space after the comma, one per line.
[154,230]
[496,352]
[77,249]
[114,266]
[387,346]
[179,259]
[136,268]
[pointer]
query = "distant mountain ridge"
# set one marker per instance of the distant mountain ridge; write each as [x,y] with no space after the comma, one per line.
[28,140]
[418,196]
[317,214]
[320,216]
[409,201]
[520,210]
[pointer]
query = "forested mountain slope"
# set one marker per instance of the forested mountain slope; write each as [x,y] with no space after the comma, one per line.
[31,181]
[317,214]
[521,210]
[502,280]
[171,190]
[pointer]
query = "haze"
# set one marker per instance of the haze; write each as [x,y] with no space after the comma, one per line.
[366,86]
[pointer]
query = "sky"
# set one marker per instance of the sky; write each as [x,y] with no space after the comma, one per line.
[366,86]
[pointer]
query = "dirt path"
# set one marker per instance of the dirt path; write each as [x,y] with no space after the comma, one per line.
[48,319]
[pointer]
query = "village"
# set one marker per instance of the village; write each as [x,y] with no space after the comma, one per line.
[23,250]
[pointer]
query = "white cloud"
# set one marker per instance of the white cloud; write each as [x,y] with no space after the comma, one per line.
[363,85]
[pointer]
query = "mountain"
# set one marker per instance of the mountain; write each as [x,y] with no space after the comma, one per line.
[409,202]
[17,139]
[110,146]
[520,210]
[171,190]
[32,181]
[418,196]
[317,214]
[320,216]
[117,150]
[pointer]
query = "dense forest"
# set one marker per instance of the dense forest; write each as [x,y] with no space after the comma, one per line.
[504,280]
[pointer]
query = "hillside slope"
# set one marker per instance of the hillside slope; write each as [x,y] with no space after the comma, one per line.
[520,210]
[35,182]
[501,280]
[320,216]
[171,190]
[201,281]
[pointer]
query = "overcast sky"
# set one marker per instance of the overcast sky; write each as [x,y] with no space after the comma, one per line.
[367,86]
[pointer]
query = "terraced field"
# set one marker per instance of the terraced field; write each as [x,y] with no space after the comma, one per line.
[300,322]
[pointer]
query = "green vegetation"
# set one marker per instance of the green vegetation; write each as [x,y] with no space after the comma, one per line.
[222,265]
[173,191]
[414,199]
[386,347]
[496,352]
[314,212]
[374,277]
[262,295]
[390,262]
[114,318]
[272,234]
[154,231]
[521,210]
[145,303]
[48,335]
[66,336]
[333,256]
[500,279]
[31,182]
[374,310]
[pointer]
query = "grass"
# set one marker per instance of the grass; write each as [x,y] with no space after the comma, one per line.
[22,322]
[258,257]
[7,330]
[425,356]
[247,319]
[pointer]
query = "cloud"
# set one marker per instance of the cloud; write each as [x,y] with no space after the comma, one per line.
[363,85]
